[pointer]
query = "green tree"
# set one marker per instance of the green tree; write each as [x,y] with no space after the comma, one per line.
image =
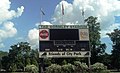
[106,60]
[34,57]
[27,61]
[5,62]
[19,54]
[34,62]
[13,67]
[115,56]
[96,47]
[0,65]
[2,54]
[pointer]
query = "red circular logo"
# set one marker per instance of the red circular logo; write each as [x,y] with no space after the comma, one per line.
[43,34]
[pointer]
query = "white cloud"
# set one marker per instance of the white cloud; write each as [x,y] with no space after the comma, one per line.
[109,29]
[46,23]
[2,45]
[105,10]
[7,28]
[7,31]
[33,37]
[6,13]
[43,23]
[20,11]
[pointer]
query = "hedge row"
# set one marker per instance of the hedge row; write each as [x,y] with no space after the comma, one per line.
[78,67]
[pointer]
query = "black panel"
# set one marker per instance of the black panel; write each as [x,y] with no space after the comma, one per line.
[64,40]
[64,34]
[78,46]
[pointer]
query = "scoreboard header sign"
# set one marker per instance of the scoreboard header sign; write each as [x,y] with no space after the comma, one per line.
[64,41]
[63,26]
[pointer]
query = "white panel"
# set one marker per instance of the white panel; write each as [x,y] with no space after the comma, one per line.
[84,34]
[44,34]
[65,54]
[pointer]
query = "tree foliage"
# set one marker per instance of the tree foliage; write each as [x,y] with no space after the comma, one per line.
[20,55]
[115,56]
[2,54]
[96,47]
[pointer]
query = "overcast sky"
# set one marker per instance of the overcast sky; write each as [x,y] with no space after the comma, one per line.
[19,19]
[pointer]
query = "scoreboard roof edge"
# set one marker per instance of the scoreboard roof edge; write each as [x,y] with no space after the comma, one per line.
[63,27]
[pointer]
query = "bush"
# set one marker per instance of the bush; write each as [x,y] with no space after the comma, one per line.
[78,67]
[31,68]
[54,68]
[69,68]
[99,68]
[81,67]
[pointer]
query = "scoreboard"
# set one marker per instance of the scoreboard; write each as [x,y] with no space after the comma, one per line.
[64,41]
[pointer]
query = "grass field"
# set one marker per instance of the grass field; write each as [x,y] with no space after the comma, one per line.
[115,72]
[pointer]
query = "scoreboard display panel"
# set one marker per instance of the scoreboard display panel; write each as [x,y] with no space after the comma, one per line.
[64,34]
[63,40]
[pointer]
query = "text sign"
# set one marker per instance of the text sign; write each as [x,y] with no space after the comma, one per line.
[65,54]
[63,26]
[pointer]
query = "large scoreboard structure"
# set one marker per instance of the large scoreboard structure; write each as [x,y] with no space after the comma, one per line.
[63,41]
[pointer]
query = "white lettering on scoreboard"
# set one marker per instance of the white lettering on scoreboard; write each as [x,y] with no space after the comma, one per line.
[65,54]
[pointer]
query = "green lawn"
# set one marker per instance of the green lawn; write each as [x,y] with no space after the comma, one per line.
[115,72]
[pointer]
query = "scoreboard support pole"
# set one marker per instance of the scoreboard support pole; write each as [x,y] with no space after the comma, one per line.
[42,66]
[89,62]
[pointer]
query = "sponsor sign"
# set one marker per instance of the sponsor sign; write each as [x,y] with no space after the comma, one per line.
[84,34]
[65,54]
[44,34]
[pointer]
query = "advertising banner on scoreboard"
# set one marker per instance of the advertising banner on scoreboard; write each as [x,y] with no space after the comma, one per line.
[84,34]
[44,34]
[65,54]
